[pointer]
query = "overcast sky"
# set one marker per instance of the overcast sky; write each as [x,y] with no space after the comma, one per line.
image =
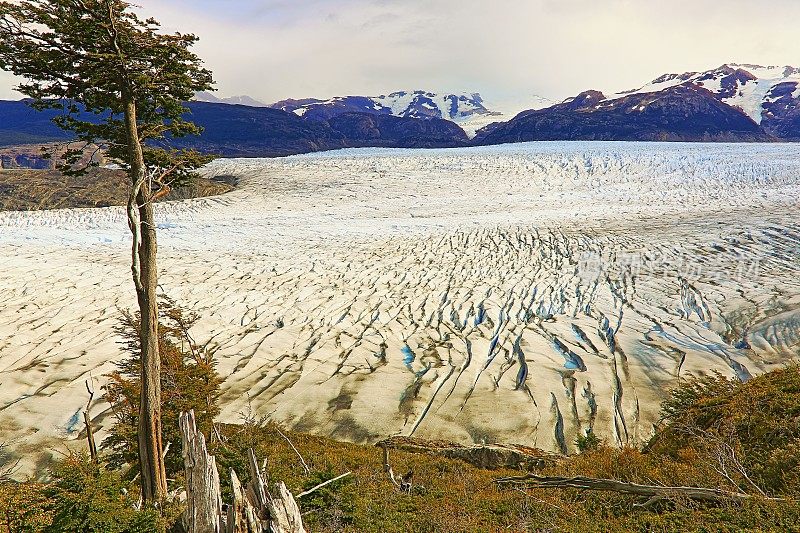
[504,49]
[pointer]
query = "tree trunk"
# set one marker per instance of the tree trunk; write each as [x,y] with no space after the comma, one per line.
[145,278]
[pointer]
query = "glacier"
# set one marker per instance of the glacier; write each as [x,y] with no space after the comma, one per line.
[518,293]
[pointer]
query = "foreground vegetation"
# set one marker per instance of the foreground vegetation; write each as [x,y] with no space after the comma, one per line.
[741,438]
[34,190]
[448,495]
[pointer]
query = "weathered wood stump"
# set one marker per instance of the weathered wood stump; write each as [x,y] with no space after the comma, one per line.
[203,497]
[253,510]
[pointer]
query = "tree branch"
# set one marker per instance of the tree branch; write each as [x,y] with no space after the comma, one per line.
[305,466]
[309,491]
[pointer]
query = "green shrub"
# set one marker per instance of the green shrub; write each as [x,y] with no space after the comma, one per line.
[332,508]
[751,429]
[587,442]
[22,507]
[189,380]
[84,497]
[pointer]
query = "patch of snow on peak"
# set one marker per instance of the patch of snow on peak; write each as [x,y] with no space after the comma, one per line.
[206,96]
[752,94]
[744,86]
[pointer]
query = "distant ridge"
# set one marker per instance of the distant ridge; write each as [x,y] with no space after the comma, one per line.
[465,109]
[205,96]
[734,102]
[246,131]
[731,103]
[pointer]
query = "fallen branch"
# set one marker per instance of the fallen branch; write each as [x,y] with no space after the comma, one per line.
[305,466]
[403,483]
[652,492]
[309,491]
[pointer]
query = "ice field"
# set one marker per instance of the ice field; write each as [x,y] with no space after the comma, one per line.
[520,293]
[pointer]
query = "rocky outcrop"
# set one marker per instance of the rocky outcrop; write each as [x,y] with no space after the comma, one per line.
[22,160]
[33,190]
[45,156]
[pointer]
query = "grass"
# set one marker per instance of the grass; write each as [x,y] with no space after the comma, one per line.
[450,495]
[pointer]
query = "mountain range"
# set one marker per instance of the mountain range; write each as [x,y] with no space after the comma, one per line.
[731,103]
[734,103]
[465,109]
[692,106]
[205,96]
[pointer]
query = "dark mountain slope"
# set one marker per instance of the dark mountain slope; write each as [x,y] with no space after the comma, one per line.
[243,131]
[681,113]
[20,124]
[781,116]
[361,129]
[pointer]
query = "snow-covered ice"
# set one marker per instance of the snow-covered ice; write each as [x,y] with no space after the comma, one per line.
[518,293]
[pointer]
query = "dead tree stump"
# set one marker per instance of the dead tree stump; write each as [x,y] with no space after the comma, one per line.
[203,496]
[254,510]
[284,514]
[242,516]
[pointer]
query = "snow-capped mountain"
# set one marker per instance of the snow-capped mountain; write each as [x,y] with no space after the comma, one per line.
[731,103]
[754,89]
[735,102]
[504,110]
[205,96]
[410,104]
[468,110]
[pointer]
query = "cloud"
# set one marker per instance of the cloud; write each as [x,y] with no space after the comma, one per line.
[7,82]
[506,49]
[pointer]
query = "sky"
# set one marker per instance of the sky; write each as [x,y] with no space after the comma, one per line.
[508,50]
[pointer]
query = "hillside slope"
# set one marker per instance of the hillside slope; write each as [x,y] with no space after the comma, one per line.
[246,131]
[674,114]
[741,103]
